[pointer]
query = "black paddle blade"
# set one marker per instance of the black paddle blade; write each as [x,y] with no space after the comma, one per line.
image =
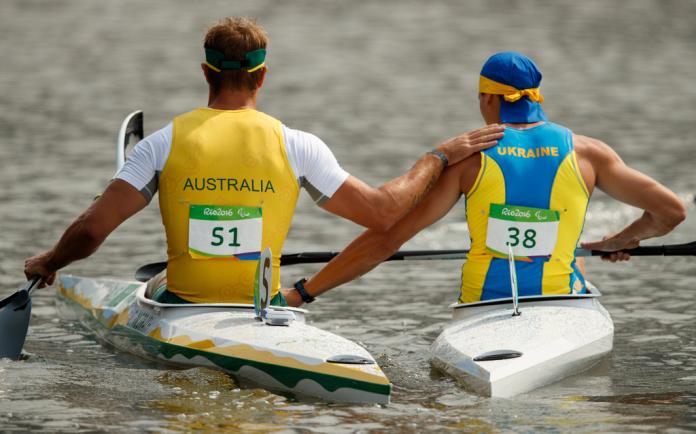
[15,312]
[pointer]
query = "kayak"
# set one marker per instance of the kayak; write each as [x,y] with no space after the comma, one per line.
[495,354]
[294,358]
[267,346]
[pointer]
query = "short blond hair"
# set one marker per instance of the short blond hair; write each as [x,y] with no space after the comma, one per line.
[234,37]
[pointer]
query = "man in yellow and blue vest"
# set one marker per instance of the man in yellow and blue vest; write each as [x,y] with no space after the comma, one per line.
[228,178]
[526,199]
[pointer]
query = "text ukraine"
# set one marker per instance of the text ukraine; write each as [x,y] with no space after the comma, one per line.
[544,151]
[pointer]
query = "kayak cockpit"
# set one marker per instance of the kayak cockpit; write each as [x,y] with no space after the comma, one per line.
[142,299]
[460,310]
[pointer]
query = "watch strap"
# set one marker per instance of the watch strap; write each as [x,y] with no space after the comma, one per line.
[441,155]
[299,287]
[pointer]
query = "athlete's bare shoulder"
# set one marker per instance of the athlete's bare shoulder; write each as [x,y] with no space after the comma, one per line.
[467,171]
[594,156]
[593,149]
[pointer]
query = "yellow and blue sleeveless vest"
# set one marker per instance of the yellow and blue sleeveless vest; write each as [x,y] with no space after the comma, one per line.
[224,158]
[536,168]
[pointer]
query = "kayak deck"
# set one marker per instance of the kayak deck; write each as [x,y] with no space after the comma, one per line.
[298,358]
[496,354]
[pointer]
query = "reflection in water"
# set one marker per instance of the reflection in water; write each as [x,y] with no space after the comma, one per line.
[380,85]
[642,399]
[208,400]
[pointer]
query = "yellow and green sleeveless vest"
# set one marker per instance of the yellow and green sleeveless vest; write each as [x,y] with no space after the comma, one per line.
[219,159]
[534,168]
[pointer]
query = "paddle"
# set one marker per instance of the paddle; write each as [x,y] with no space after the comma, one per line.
[15,312]
[131,132]
[147,271]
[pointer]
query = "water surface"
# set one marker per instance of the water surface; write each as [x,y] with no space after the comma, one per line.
[380,82]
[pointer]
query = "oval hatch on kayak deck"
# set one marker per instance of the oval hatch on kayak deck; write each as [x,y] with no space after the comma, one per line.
[350,360]
[497,355]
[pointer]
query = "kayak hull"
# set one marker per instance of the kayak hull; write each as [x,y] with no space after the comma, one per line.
[495,354]
[299,359]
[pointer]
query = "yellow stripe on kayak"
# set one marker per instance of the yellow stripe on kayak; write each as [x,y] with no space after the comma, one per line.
[248,352]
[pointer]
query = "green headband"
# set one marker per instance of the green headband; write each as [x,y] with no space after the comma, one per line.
[253,60]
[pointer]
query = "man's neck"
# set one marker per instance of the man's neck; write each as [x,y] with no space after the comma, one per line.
[523,126]
[232,100]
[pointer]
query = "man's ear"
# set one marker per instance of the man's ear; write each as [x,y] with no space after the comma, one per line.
[489,106]
[262,77]
[488,99]
[206,71]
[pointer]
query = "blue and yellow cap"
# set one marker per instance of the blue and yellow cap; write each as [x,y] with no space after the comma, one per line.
[253,60]
[515,77]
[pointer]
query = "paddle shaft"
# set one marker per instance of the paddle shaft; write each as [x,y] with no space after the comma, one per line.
[406,255]
[689,249]
[32,284]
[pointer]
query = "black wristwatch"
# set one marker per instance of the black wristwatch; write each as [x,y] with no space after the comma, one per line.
[441,155]
[299,287]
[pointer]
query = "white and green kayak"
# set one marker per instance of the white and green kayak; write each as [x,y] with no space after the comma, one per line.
[263,345]
[294,357]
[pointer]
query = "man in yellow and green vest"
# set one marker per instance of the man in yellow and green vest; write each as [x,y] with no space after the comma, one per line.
[228,178]
[525,200]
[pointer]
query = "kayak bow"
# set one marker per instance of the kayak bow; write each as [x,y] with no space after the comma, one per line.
[496,354]
[298,358]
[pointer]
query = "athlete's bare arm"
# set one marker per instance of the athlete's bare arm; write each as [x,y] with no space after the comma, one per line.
[374,246]
[603,168]
[119,201]
[380,208]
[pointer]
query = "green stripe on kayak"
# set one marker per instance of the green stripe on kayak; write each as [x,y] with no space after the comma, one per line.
[289,377]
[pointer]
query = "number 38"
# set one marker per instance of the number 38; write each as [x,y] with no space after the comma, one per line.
[528,241]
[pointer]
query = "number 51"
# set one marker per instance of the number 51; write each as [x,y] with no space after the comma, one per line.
[219,238]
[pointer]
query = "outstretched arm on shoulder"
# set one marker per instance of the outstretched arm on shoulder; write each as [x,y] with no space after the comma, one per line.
[380,208]
[374,246]
[662,209]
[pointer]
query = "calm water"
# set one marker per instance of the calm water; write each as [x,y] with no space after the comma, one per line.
[380,82]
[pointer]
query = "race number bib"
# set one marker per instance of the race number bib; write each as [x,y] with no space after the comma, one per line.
[531,232]
[225,232]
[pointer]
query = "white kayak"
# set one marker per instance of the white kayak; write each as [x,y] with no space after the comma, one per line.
[496,354]
[268,346]
[295,357]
